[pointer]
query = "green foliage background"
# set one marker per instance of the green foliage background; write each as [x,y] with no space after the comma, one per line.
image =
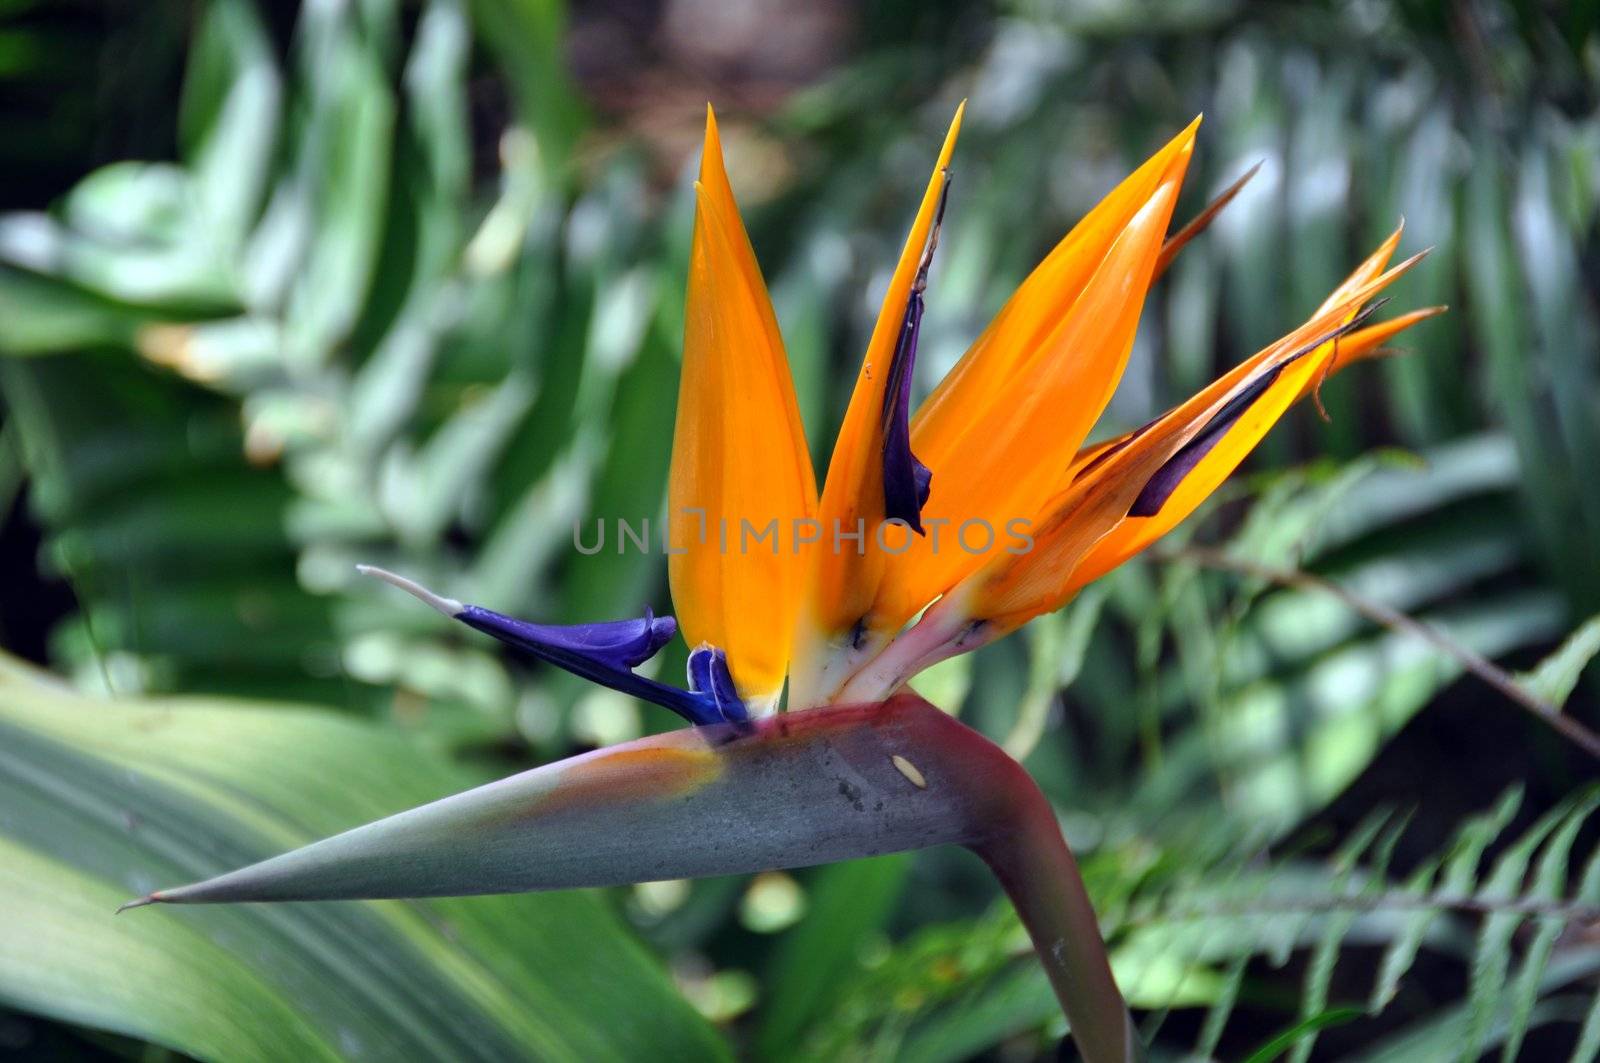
[392,283]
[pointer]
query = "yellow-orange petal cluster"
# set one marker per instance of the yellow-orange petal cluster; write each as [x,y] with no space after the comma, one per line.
[1003,435]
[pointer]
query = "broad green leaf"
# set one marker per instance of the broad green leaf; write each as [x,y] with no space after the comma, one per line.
[848,905]
[344,166]
[527,36]
[39,315]
[228,118]
[100,800]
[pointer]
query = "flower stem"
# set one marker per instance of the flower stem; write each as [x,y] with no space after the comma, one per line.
[1031,860]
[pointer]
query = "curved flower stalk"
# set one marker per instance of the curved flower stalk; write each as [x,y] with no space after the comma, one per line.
[843,597]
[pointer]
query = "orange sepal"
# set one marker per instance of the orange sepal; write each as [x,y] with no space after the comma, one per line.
[739,457]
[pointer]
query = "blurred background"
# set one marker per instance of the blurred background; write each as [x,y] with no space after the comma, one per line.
[287,287]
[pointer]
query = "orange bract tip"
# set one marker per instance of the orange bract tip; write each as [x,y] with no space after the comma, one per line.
[1371,267]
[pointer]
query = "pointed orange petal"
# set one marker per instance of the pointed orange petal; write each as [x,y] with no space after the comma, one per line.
[1353,347]
[1089,528]
[1202,221]
[846,579]
[1372,266]
[1369,341]
[1363,343]
[741,475]
[1000,429]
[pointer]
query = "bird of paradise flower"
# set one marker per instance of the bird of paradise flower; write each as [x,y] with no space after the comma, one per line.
[859,597]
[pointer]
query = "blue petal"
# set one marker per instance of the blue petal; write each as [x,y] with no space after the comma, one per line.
[603,653]
[621,644]
[708,674]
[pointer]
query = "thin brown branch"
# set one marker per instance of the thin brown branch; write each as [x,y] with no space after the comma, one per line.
[1486,670]
[1567,911]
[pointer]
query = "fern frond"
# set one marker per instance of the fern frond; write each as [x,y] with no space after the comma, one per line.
[1352,900]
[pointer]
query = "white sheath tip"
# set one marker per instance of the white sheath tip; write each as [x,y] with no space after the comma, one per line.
[448,606]
[910,771]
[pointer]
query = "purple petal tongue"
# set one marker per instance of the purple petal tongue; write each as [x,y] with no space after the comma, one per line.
[906,481]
